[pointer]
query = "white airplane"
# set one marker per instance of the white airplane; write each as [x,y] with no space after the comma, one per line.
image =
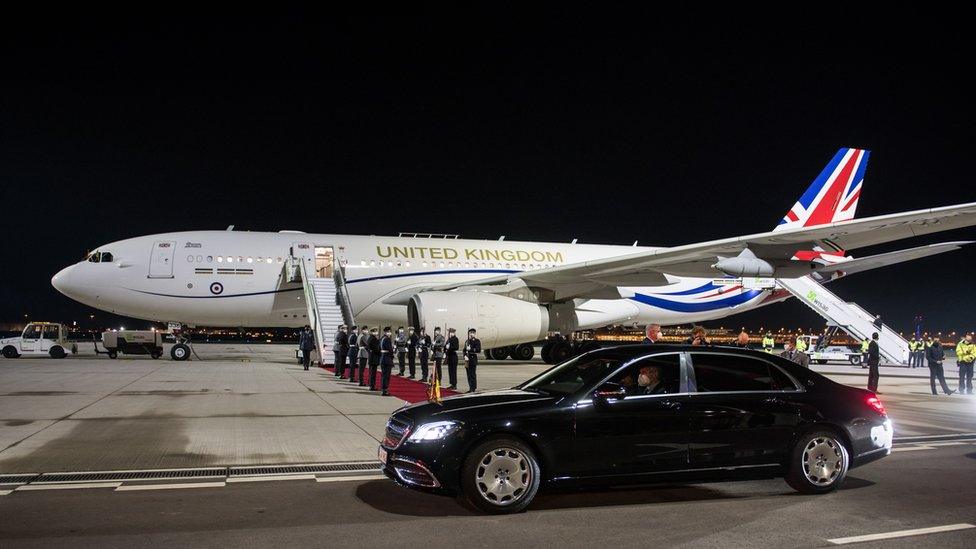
[512,292]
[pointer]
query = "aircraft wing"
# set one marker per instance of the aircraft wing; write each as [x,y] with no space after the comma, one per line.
[597,277]
[862,264]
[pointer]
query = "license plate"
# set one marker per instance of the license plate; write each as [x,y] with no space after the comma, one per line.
[382,456]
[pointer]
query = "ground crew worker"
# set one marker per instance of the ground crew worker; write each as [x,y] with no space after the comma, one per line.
[340,348]
[912,349]
[412,351]
[935,354]
[864,352]
[874,359]
[363,358]
[401,349]
[768,342]
[386,362]
[437,344]
[452,357]
[801,343]
[965,356]
[423,352]
[374,357]
[353,353]
[472,348]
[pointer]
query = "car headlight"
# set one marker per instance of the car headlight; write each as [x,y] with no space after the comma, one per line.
[434,431]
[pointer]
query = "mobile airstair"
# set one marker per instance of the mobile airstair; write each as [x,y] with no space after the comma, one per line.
[849,317]
[326,300]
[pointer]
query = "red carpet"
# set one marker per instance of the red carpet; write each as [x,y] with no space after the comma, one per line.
[409,390]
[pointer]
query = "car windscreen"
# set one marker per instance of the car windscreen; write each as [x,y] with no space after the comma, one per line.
[570,377]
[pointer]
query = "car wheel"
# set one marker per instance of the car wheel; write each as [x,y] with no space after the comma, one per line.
[523,352]
[10,352]
[180,351]
[560,352]
[818,463]
[855,360]
[547,351]
[57,352]
[113,355]
[821,361]
[500,475]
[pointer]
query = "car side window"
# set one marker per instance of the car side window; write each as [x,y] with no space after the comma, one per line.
[653,375]
[32,332]
[721,372]
[781,381]
[50,332]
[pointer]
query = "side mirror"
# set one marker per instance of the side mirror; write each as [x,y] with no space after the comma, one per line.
[609,392]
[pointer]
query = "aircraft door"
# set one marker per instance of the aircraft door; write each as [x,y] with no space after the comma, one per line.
[161,261]
[324,256]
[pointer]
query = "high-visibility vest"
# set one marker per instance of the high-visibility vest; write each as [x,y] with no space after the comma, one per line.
[801,344]
[864,346]
[966,352]
[768,343]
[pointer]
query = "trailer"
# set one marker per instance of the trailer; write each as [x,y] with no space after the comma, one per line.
[132,342]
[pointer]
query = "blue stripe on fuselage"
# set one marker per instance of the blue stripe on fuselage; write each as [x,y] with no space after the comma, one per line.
[696,307]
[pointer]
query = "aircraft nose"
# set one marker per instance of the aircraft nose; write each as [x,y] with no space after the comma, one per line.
[62,280]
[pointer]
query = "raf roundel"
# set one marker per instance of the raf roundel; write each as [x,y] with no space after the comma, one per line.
[216,288]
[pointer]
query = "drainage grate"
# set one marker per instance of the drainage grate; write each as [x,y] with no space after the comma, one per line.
[323,468]
[17,479]
[131,475]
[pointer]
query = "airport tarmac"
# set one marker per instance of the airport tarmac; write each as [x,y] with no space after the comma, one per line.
[253,404]
[249,405]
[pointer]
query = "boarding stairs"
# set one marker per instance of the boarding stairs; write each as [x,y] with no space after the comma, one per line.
[327,302]
[850,317]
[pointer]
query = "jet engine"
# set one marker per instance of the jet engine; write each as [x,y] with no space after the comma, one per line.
[500,320]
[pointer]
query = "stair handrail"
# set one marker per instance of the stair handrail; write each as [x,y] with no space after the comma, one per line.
[342,293]
[313,311]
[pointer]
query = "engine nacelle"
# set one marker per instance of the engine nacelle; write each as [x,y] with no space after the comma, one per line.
[500,320]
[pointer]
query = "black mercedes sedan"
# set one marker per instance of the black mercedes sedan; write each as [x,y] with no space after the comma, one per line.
[638,414]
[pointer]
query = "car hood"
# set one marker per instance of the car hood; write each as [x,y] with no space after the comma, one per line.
[461,404]
[10,341]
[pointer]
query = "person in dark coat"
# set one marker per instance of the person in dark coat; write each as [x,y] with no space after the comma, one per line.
[653,334]
[874,359]
[306,343]
[437,344]
[453,345]
[791,353]
[341,350]
[363,357]
[353,351]
[374,357]
[423,352]
[386,360]
[412,351]
[935,355]
[472,348]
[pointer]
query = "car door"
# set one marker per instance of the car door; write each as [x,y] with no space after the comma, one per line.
[640,433]
[743,413]
[49,337]
[30,338]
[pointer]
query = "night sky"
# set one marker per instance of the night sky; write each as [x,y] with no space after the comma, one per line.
[552,125]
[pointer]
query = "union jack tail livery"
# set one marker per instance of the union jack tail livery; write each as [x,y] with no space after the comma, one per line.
[833,194]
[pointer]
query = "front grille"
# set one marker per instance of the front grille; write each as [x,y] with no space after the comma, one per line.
[415,474]
[396,430]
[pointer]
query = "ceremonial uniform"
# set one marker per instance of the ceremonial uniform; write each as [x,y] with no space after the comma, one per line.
[374,360]
[437,346]
[412,353]
[472,348]
[353,354]
[423,351]
[453,345]
[401,351]
[364,343]
[386,362]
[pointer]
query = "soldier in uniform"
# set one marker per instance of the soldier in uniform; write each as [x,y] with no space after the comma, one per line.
[340,349]
[452,357]
[437,344]
[386,362]
[306,342]
[363,357]
[374,357]
[401,349]
[423,351]
[353,354]
[472,348]
[412,351]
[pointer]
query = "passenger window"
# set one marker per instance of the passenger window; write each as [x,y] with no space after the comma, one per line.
[718,372]
[50,332]
[781,381]
[655,375]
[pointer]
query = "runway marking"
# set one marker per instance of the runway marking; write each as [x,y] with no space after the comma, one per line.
[264,478]
[913,448]
[902,533]
[76,486]
[179,486]
[5,492]
[356,477]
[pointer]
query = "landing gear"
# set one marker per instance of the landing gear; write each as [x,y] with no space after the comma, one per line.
[180,352]
[500,353]
[523,352]
[560,352]
[546,351]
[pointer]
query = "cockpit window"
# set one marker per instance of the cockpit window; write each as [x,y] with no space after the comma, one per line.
[100,257]
[107,257]
[92,257]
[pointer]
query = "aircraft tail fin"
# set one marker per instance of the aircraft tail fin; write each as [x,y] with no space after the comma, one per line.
[833,195]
